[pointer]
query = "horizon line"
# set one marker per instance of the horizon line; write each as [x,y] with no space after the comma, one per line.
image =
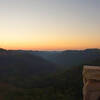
[49,50]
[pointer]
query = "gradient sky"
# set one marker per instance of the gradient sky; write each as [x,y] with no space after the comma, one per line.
[49,24]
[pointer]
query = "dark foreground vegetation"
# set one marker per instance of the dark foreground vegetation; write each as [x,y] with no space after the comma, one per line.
[24,75]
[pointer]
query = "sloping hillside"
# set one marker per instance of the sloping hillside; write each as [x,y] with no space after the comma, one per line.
[70,58]
[24,63]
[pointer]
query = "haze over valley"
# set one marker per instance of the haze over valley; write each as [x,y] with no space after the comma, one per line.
[44,45]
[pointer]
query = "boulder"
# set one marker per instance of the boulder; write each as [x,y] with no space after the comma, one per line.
[91,78]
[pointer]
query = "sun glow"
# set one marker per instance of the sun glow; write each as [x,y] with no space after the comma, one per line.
[44,25]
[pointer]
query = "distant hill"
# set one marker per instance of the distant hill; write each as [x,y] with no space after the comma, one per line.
[69,58]
[24,63]
[64,59]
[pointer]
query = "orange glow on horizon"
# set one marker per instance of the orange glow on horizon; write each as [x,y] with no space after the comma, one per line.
[45,25]
[48,48]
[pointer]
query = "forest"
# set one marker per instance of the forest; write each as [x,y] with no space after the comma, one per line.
[32,75]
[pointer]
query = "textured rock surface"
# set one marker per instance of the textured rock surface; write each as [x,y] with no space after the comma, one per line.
[91,72]
[91,78]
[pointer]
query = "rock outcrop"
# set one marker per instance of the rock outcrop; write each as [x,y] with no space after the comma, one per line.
[91,79]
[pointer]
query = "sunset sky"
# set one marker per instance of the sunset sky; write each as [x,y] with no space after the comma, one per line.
[49,24]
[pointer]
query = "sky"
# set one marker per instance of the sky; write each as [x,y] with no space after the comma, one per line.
[49,24]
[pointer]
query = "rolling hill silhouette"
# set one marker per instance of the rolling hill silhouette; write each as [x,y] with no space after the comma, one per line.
[28,75]
[71,58]
[24,63]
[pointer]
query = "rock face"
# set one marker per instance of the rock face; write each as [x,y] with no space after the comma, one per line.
[91,79]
